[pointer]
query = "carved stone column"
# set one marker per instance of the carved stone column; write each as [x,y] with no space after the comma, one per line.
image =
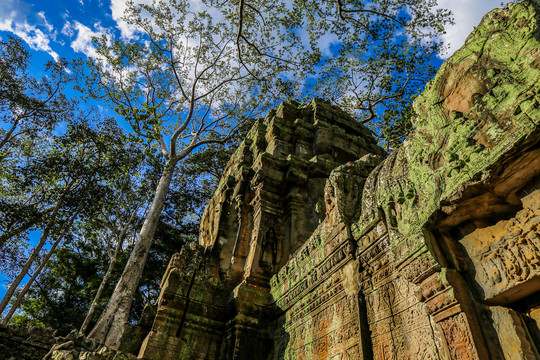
[449,303]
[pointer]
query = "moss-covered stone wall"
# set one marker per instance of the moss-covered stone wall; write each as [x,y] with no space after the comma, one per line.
[416,272]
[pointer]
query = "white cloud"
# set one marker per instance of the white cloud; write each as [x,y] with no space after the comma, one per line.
[467,14]
[130,32]
[83,42]
[14,15]
[14,10]
[325,42]
[46,23]
[118,7]
[34,37]
[68,29]
[84,34]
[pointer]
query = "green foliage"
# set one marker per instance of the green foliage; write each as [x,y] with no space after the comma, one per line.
[63,292]
[178,82]
[188,82]
[28,106]
[370,57]
[68,285]
[70,166]
[81,169]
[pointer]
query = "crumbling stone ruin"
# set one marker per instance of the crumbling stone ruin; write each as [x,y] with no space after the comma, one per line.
[268,204]
[316,246]
[25,343]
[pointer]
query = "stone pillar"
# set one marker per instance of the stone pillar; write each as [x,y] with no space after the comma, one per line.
[449,303]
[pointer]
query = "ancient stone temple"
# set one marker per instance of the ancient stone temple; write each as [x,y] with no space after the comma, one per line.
[216,300]
[317,245]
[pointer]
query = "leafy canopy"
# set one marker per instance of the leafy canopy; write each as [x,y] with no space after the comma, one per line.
[371,57]
[28,105]
[179,83]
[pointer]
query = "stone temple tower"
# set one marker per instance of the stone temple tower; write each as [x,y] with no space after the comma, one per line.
[215,299]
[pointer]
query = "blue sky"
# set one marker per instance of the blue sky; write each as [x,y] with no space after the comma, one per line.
[54,29]
[64,28]
[57,28]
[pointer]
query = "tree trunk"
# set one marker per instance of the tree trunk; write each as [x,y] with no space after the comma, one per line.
[95,301]
[33,256]
[8,134]
[111,325]
[41,266]
[9,233]
[106,277]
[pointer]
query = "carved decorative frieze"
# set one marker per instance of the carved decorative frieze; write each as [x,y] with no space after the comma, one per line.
[506,256]
[457,337]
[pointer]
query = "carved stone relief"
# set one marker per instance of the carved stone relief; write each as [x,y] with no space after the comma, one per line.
[506,256]
[359,278]
[399,323]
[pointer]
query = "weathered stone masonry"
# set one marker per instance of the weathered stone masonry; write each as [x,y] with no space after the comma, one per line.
[316,246]
[432,253]
[216,300]
[25,343]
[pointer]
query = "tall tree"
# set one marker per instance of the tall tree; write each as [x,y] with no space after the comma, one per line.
[371,57]
[67,286]
[72,170]
[119,219]
[28,105]
[59,237]
[181,87]
[30,108]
